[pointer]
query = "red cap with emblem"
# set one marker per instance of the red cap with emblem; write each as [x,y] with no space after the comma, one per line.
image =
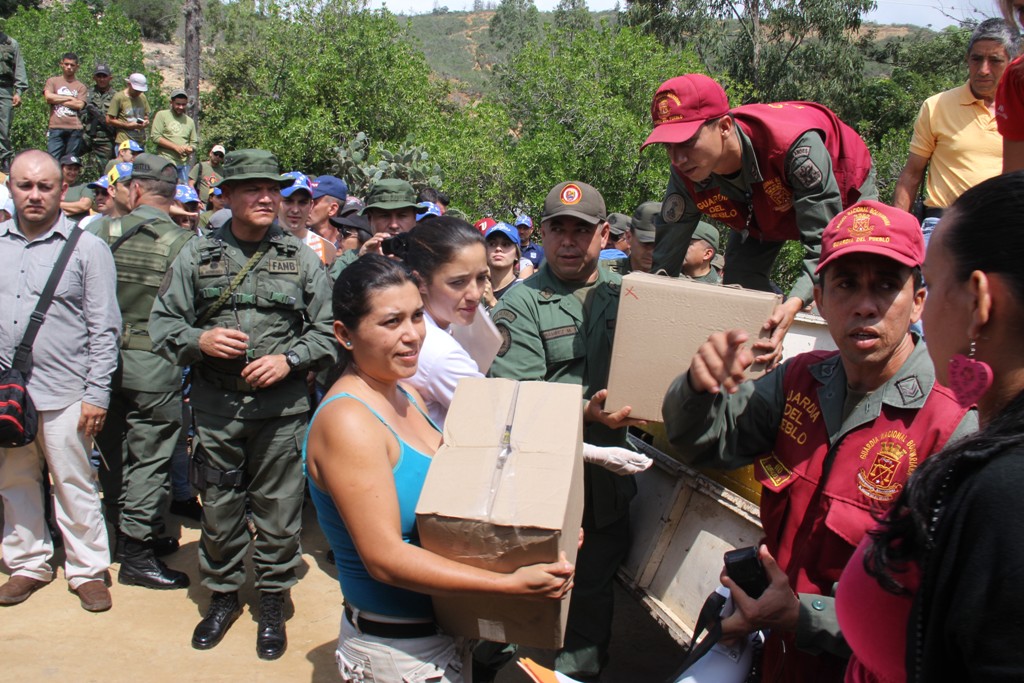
[682,105]
[870,227]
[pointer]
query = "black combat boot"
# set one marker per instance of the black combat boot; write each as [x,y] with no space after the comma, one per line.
[271,640]
[223,611]
[140,567]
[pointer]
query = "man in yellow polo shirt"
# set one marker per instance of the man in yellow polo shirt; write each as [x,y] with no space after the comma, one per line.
[955,132]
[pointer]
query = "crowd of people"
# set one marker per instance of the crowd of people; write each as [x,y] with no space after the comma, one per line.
[312,334]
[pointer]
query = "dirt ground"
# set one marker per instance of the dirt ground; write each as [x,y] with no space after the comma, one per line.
[146,636]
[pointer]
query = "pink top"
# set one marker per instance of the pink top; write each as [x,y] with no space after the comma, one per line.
[874,622]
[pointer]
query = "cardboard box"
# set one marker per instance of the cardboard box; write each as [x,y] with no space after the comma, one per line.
[505,490]
[660,325]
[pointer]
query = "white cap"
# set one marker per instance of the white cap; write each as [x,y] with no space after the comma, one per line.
[218,148]
[138,81]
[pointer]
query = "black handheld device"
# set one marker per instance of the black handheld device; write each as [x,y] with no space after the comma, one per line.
[743,566]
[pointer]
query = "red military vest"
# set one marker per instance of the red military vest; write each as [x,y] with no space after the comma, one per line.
[814,520]
[772,129]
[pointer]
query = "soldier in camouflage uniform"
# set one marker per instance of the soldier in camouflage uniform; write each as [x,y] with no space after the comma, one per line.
[144,419]
[13,82]
[99,137]
[248,306]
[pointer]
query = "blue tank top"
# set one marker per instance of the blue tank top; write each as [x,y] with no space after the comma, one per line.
[361,590]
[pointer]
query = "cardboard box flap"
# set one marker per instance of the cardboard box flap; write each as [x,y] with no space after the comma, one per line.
[500,461]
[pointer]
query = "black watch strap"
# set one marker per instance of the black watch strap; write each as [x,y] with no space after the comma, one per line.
[293,359]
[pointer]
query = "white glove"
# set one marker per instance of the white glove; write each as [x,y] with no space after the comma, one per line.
[615,459]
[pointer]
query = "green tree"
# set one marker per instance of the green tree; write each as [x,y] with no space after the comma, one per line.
[784,49]
[158,19]
[310,74]
[515,23]
[572,17]
[9,7]
[45,34]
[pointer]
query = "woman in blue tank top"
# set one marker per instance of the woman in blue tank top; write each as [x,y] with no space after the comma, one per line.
[367,453]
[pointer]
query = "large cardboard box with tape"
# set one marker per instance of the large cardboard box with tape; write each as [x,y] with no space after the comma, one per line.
[661,323]
[505,490]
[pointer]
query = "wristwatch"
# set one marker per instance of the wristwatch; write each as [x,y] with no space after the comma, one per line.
[293,359]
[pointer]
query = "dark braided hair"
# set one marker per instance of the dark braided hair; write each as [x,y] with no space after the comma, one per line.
[983,232]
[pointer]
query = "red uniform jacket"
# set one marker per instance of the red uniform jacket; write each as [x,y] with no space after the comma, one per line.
[772,129]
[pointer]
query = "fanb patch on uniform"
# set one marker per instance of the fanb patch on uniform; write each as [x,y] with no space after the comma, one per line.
[672,208]
[213,268]
[558,332]
[804,151]
[888,452]
[282,265]
[776,471]
[165,284]
[506,341]
[807,174]
[504,315]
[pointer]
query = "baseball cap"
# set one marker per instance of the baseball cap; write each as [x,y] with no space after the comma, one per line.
[251,164]
[643,221]
[178,92]
[138,81]
[619,223]
[390,194]
[130,144]
[708,233]
[121,171]
[485,224]
[185,194]
[870,227]
[101,69]
[352,221]
[353,205]
[102,184]
[682,104]
[424,209]
[70,160]
[300,182]
[523,219]
[575,199]
[216,192]
[218,148]
[505,229]
[329,186]
[153,167]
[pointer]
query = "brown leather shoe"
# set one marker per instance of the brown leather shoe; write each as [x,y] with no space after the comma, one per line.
[94,596]
[18,588]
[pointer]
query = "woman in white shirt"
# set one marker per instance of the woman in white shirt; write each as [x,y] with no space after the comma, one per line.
[450,257]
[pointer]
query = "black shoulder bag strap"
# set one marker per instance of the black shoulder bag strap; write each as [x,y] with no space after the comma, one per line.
[22,357]
[710,618]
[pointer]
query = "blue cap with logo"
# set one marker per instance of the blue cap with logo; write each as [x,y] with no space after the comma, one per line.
[102,184]
[505,229]
[301,182]
[424,209]
[185,194]
[121,171]
[523,219]
[330,186]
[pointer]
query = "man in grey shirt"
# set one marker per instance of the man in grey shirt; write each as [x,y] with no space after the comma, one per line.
[74,358]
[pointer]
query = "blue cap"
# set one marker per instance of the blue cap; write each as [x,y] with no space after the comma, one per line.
[121,171]
[505,229]
[130,144]
[185,194]
[328,185]
[102,184]
[424,209]
[216,192]
[523,219]
[301,182]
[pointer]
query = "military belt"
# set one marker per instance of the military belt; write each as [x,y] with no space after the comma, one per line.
[135,339]
[229,382]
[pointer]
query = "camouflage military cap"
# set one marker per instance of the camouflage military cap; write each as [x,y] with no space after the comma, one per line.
[251,164]
[152,167]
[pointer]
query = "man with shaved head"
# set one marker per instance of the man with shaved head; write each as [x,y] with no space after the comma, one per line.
[73,359]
